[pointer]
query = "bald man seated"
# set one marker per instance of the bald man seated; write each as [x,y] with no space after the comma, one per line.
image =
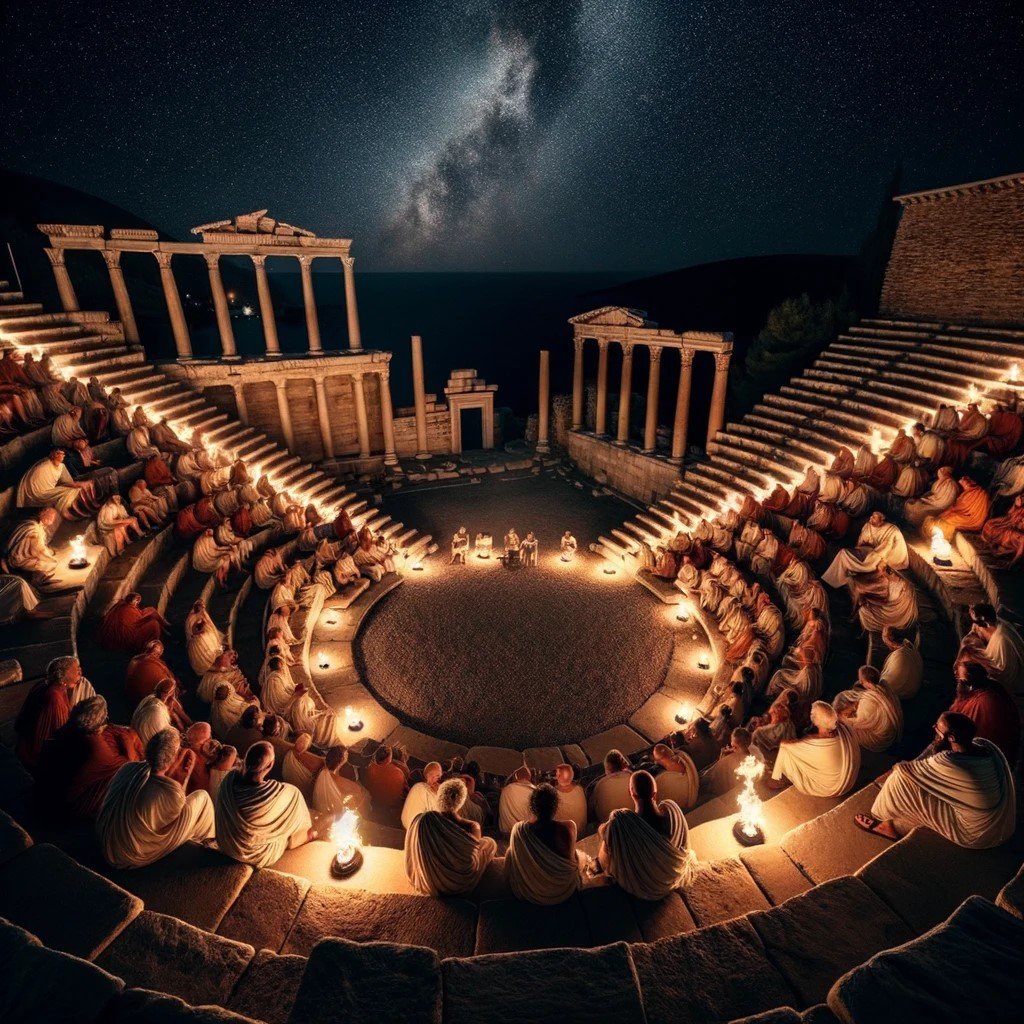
[644,849]
[514,802]
[611,791]
[145,814]
[445,852]
[572,798]
[422,796]
[257,818]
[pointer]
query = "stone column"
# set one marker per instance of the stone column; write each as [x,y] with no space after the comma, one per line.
[653,383]
[179,325]
[577,385]
[601,418]
[273,346]
[355,342]
[544,403]
[284,413]
[240,404]
[387,414]
[625,391]
[323,415]
[220,305]
[717,415]
[125,313]
[66,290]
[362,423]
[419,395]
[682,404]
[309,300]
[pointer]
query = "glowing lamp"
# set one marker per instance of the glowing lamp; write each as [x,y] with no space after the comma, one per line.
[352,719]
[704,662]
[322,661]
[1015,373]
[749,827]
[417,566]
[972,393]
[609,570]
[79,560]
[684,714]
[876,440]
[683,614]
[942,551]
[348,858]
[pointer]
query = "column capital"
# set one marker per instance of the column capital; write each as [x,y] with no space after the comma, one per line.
[259,259]
[305,261]
[654,351]
[112,258]
[280,383]
[686,357]
[722,360]
[385,374]
[163,259]
[578,344]
[56,257]
[349,262]
[212,259]
[357,375]
[627,348]
[602,344]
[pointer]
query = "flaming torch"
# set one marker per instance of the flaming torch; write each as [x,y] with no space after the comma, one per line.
[79,560]
[749,828]
[345,835]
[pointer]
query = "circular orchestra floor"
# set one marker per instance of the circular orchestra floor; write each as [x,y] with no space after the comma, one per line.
[479,654]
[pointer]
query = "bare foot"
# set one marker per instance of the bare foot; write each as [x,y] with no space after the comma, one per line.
[876,827]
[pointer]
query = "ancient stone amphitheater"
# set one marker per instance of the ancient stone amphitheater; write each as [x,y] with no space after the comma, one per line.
[822,922]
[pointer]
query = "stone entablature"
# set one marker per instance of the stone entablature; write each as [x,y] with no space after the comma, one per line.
[932,195]
[628,328]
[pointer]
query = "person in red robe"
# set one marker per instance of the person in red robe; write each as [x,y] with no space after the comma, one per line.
[1005,534]
[990,706]
[46,709]
[751,509]
[128,626]
[1004,432]
[241,521]
[777,501]
[884,475]
[145,670]
[345,532]
[157,473]
[807,544]
[186,524]
[843,464]
[78,762]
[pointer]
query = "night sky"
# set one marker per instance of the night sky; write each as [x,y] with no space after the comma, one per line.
[636,135]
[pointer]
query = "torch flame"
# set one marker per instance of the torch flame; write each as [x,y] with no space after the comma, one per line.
[345,834]
[751,809]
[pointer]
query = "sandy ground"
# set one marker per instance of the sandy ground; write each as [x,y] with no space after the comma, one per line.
[479,654]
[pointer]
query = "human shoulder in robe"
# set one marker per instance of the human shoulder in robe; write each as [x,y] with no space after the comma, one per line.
[824,763]
[514,801]
[422,796]
[903,668]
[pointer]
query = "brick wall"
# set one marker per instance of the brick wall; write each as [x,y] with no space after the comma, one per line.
[959,258]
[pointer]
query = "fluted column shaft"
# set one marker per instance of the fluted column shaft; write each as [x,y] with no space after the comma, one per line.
[355,342]
[601,418]
[309,301]
[362,423]
[270,340]
[387,414]
[717,415]
[125,313]
[682,416]
[577,385]
[653,384]
[323,415]
[179,325]
[544,403]
[419,395]
[220,305]
[284,413]
[65,289]
[625,392]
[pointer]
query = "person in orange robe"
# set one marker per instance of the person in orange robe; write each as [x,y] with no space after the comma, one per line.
[78,762]
[751,509]
[1005,534]
[157,473]
[145,670]
[46,709]
[808,544]
[1004,432]
[969,512]
[128,626]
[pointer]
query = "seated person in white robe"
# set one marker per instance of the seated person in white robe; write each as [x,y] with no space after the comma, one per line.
[611,791]
[572,798]
[568,546]
[460,546]
[879,542]
[269,569]
[996,645]
[278,689]
[514,802]
[871,710]
[823,763]
[17,600]
[256,818]
[965,791]
[212,558]
[300,766]
[941,495]
[903,668]
[114,527]
[151,716]
[322,723]
[895,606]
[48,484]
[226,710]
[528,550]
[280,619]
[28,549]
[333,793]
[146,815]
[204,646]
[224,670]
[542,864]
[644,849]
[445,853]
[423,795]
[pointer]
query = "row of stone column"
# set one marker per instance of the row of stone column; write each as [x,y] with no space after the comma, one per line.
[682,411]
[324,417]
[179,325]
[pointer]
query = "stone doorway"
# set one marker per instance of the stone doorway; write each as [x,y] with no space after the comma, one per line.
[471,427]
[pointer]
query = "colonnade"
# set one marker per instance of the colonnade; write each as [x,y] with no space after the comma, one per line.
[716,417]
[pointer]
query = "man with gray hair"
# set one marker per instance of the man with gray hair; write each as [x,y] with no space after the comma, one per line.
[48,707]
[160,710]
[145,814]
[825,762]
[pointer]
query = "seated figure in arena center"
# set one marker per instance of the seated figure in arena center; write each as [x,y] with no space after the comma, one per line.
[644,849]
[460,546]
